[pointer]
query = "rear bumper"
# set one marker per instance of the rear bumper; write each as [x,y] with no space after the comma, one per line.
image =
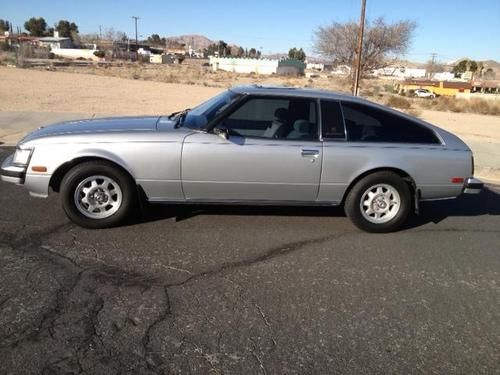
[473,186]
[10,172]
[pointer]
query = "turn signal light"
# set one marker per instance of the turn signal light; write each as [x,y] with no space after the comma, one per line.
[39,169]
[457,180]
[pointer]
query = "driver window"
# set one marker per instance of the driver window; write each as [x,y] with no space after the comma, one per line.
[274,118]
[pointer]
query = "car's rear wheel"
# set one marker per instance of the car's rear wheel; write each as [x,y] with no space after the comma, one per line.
[379,202]
[97,194]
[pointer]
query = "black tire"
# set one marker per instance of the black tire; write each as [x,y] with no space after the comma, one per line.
[353,202]
[88,170]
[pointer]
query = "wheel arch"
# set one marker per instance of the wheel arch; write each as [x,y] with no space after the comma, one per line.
[63,169]
[401,173]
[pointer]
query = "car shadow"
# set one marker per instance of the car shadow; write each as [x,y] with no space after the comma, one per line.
[185,212]
[485,203]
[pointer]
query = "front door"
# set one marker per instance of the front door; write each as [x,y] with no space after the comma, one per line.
[272,154]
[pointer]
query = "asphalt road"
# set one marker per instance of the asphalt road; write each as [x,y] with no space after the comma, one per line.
[249,290]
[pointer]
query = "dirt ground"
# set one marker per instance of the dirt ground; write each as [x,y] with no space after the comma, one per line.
[24,90]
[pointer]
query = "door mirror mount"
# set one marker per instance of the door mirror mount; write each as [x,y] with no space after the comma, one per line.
[222,132]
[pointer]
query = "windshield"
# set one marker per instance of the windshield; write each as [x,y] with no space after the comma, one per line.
[201,115]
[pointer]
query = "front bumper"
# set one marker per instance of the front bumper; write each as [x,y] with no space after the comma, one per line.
[10,172]
[473,186]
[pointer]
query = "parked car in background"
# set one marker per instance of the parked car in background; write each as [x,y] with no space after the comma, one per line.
[250,145]
[424,93]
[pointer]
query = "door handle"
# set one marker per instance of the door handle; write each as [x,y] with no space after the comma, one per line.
[309,153]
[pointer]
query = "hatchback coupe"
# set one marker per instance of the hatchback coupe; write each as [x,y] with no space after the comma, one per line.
[250,145]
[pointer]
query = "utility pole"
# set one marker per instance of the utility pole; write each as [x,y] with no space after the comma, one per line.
[136,38]
[433,62]
[433,58]
[357,76]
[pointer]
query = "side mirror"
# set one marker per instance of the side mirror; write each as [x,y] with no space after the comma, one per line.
[222,132]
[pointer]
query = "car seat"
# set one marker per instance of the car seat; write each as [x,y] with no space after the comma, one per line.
[279,124]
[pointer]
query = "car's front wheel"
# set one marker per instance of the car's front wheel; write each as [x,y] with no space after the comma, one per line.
[379,202]
[96,195]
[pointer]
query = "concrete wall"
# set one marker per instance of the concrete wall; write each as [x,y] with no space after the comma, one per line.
[73,53]
[240,65]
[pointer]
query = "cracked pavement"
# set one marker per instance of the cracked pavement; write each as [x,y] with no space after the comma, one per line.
[249,290]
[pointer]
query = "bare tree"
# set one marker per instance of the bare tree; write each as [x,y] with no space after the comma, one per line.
[381,42]
[432,67]
[111,34]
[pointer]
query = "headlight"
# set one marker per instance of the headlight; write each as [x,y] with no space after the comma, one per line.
[22,156]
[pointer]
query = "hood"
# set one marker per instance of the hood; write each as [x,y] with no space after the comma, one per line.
[101,125]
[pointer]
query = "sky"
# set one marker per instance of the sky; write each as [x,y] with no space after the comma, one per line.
[451,28]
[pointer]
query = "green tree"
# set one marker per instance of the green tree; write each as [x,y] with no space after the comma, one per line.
[489,74]
[66,29]
[5,26]
[223,48]
[241,52]
[297,54]
[154,39]
[252,53]
[465,65]
[36,26]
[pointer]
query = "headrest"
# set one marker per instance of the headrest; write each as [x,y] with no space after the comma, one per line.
[302,126]
[281,114]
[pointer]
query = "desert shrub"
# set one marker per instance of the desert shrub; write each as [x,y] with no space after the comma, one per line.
[100,54]
[171,78]
[389,88]
[4,47]
[452,104]
[478,106]
[398,102]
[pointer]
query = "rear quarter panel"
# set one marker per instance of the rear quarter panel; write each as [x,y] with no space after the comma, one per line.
[430,166]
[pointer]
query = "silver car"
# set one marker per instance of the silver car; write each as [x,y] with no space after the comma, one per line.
[250,145]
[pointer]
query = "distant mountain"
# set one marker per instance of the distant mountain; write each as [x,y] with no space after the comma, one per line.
[495,65]
[487,63]
[194,40]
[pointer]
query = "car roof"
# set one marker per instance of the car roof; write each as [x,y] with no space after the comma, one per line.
[293,91]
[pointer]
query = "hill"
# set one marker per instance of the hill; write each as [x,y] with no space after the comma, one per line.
[194,40]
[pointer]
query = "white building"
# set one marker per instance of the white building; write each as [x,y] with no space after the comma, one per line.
[400,72]
[55,41]
[315,66]
[443,76]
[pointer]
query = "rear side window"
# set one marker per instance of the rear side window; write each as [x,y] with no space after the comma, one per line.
[332,123]
[367,124]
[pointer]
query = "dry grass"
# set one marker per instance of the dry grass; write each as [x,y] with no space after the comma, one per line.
[451,104]
[377,90]
[398,102]
[204,76]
